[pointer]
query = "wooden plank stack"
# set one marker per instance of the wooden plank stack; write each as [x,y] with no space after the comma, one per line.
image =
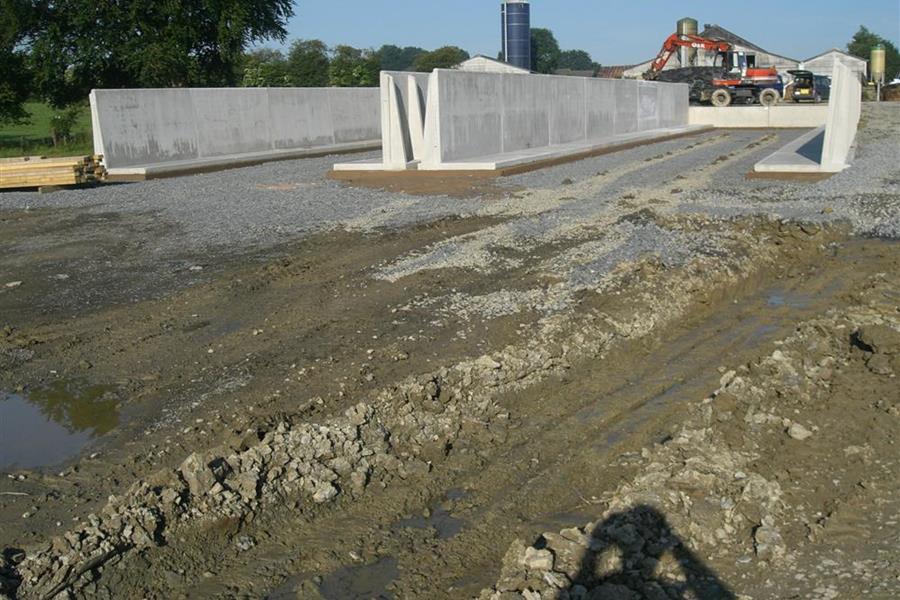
[40,171]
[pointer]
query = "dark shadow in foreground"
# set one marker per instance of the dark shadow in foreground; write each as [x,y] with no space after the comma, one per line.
[636,555]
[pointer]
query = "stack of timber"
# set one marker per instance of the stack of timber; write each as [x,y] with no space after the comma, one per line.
[39,171]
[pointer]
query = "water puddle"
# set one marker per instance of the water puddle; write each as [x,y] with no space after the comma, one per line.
[50,425]
[439,518]
[361,582]
[786,299]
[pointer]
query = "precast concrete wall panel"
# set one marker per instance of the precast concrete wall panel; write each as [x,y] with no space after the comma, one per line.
[626,107]
[143,126]
[150,128]
[526,113]
[354,114]
[601,107]
[232,121]
[477,120]
[486,113]
[568,114]
[844,109]
[648,106]
[470,114]
[303,121]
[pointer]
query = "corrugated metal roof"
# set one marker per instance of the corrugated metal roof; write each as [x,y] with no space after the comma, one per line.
[717,32]
[614,72]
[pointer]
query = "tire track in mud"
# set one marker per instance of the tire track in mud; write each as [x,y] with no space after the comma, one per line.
[585,209]
[467,545]
[617,232]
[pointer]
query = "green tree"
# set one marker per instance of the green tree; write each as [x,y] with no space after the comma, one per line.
[352,67]
[308,62]
[576,60]
[265,67]
[545,52]
[395,58]
[17,22]
[862,43]
[82,44]
[445,57]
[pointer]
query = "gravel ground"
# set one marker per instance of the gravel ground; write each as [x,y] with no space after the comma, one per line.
[265,205]
[249,207]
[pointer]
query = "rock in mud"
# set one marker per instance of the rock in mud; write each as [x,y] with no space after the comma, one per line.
[882,339]
[324,493]
[537,560]
[799,432]
[199,477]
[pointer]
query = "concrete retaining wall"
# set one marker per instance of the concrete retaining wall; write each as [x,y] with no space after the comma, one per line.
[844,111]
[799,116]
[483,114]
[826,149]
[143,130]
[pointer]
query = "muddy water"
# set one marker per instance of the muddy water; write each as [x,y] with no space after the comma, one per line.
[48,426]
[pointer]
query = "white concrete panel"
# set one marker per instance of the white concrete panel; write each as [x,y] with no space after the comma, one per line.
[794,116]
[302,121]
[415,103]
[354,113]
[143,130]
[826,149]
[568,111]
[844,111]
[626,106]
[526,104]
[471,113]
[232,121]
[138,127]
[648,105]
[601,107]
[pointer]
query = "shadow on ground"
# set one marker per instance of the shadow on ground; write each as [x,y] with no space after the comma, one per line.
[636,555]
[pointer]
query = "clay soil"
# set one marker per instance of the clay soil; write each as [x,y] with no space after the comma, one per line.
[171,361]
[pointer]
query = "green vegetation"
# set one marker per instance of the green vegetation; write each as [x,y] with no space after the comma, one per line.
[862,43]
[36,137]
[442,58]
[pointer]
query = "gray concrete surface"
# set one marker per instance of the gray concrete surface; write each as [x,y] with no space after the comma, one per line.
[489,121]
[482,114]
[152,131]
[787,115]
[827,149]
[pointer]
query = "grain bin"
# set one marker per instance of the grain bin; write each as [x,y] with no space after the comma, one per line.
[687,26]
[877,64]
[515,18]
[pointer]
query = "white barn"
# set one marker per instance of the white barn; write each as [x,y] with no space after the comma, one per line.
[483,64]
[823,64]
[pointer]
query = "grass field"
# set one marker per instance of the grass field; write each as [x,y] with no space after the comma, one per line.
[34,138]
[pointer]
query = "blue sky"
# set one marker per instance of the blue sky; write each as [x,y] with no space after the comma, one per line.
[613,31]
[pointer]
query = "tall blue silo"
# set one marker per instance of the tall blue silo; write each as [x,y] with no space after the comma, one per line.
[516,30]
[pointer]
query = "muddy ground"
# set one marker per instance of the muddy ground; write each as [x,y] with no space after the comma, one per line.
[637,376]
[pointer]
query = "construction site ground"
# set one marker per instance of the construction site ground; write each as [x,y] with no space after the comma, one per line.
[639,375]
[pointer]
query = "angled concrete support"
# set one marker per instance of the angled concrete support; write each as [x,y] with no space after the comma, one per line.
[827,149]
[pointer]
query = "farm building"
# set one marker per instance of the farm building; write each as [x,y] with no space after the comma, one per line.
[823,64]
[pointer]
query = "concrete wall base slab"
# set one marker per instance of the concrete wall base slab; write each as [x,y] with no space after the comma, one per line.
[220,163]
[799,116]
[528,160]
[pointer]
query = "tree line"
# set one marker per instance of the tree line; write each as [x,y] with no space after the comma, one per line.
[311,63]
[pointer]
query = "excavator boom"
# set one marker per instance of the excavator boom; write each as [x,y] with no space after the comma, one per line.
[683,40]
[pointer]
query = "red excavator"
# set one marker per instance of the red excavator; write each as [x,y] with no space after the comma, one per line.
[739,79]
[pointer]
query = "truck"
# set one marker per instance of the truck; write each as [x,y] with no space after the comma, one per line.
[736,79]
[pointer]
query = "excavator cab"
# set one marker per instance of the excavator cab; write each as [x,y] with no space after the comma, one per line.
[738,62]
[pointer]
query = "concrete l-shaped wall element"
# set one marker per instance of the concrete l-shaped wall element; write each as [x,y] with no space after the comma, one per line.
[153,132]
[799,116]
[489,121]
[826,149]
